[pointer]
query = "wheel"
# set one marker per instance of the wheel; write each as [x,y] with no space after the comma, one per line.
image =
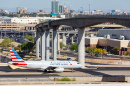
[45,70]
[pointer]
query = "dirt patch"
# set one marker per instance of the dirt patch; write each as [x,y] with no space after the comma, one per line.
[1,40]
[15,43]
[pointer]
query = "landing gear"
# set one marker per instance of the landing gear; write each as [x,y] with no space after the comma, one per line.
[49,71]
[45,70]
[72,70]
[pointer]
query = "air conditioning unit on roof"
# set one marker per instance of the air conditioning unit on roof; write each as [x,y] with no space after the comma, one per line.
[107,36]
[121,37]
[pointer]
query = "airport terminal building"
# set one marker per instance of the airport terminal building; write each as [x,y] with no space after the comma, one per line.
[109,38]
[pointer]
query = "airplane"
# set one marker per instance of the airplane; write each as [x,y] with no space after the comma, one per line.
[57,66]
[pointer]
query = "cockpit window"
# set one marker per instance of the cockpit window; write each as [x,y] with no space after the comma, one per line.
[77,63]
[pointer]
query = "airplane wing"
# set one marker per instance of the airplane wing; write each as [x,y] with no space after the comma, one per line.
[55,68]
[44,67]
[49,67]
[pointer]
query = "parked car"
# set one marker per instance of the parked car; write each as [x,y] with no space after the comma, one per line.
[69,59]
[96,55]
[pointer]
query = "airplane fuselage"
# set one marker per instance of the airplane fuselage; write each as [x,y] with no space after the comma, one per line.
[42,64]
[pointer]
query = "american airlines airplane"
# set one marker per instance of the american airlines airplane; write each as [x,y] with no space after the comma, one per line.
[57,66]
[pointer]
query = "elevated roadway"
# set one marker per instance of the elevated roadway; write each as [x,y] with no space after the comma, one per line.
[110,66]
[81,23]
[104,26]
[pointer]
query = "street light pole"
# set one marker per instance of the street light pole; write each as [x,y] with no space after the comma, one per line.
[92,49]
[0,55]
[23,34]
[89,8]
[82,9]
[5,33]
[1,34]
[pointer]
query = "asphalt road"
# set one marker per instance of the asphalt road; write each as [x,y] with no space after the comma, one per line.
[4,59]
[7,72]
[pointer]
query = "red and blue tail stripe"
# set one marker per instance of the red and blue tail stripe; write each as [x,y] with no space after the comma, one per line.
[16,59]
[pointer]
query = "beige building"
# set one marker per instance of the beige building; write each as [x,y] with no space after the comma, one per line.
[101,41]
[17,26]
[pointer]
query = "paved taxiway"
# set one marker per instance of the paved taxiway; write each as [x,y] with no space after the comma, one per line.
[6,72]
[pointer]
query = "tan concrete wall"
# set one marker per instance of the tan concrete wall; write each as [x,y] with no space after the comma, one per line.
[87,41]
[103,42]
[93,41]
[129,44]
[107,42]
[124,43]
[114,43]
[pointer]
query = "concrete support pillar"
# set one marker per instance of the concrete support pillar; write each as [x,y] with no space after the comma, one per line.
[47,45]
[58,42]
[81,46]
[52,44]
[64,39]
[34,34]
[40,45]
[72,39]
[54,49]
[37,44]
[43,45]
[77,39]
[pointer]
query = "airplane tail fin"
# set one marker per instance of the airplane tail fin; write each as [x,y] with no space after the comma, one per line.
[16,59]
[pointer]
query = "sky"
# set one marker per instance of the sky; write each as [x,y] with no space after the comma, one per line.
[36,5]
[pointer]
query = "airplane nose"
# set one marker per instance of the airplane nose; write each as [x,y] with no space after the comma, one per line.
[80,65]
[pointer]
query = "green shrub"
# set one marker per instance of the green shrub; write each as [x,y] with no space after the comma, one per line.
[57,52]
[62,45]
[73,79]
[36,57]
[50,43]
[104,51]
[74,47]
[127,53]
[7,49]
[30,38]
[120,54]
[65,79]
[16,48]
[1,50]
[90,49]
[5,42]
[28,45]
[100,51]
[26,35]
[12,40]
[64,54]
[116,48]
[28,58]
[22,55]
[31,55]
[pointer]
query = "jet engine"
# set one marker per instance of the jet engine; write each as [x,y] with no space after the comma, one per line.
[59,69]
